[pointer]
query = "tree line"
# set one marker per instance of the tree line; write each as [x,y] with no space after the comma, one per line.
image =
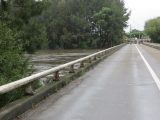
[136,34]
[66,24]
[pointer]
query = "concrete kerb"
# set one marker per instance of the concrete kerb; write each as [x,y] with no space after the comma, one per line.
[20,106]
[151,45]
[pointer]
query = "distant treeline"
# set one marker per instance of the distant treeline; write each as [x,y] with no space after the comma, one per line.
[152,28]
[65,24]
[136,34]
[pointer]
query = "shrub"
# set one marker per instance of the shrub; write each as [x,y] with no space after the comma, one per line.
[13,65]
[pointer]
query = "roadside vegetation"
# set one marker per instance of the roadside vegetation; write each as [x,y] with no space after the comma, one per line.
[152,28]
[30,25]
[13,64]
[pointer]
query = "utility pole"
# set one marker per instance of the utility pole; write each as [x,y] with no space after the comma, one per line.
[130,28]
[130,32]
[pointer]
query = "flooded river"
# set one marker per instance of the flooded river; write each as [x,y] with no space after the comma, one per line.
[47,59]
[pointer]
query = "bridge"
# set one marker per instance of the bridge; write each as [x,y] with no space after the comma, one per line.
[123,83]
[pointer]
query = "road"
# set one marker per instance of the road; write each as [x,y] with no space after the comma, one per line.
[119,88]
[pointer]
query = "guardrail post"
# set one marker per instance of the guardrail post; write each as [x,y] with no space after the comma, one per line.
[56,76]
[82,64]
[90,60]
[71,69]
[105,52]
[95,58]
[102,54]
[99,55]
[29,89]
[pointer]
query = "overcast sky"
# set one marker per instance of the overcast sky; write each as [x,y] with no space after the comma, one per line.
[142,10]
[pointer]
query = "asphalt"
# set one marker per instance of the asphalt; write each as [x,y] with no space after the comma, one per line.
[119,88]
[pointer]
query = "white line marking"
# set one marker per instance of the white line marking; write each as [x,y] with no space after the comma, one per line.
[155,77]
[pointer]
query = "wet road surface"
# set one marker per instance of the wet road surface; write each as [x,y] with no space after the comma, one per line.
[119,88]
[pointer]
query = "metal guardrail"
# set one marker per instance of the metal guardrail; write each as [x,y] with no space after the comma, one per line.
[29,80]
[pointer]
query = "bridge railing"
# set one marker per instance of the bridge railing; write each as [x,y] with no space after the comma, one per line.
[27,82]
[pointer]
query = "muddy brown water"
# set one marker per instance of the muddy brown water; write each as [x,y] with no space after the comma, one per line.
[47,59]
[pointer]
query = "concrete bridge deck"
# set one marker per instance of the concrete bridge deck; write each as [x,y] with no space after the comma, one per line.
[119,88]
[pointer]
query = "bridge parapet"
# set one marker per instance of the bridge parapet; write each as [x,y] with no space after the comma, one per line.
[28,80]
[20,106]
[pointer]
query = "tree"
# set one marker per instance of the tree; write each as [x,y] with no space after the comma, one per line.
[13,63]
[110,22]
[103,21]
[34,36]
[81,23]
[152,28]
[23,17]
